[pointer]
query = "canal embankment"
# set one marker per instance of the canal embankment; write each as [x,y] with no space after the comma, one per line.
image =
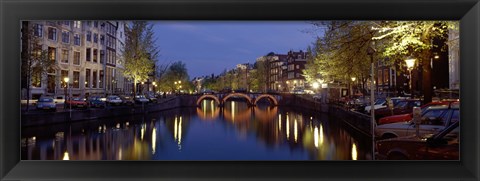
[357,121]
[45,118]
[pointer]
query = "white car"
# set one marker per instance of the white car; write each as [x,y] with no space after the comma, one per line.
[433,120]
[114,100]
[382,103]
[379,103]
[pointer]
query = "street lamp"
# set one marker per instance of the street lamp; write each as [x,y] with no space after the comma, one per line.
[154,86]
[66,80]
[353,82]
[315,85]
[410,64]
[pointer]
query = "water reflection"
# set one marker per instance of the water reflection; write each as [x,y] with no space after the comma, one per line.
[209,132]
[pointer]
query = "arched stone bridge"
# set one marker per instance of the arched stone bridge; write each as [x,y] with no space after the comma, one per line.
[252,99]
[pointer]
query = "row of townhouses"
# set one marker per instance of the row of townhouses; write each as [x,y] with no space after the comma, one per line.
[89,53]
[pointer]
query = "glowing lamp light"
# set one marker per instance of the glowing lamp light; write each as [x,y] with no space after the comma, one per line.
[410,63]
[66,79]
[353,79]
[315,85]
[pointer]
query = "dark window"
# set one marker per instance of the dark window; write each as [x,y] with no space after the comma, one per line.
[87,78]
[95,38]
[102,39]
[95,55]
[38,30]
[94,81]
[89,36]
[88,54]
[100,81]
[76,39]
[66,23]
[95,24]
[76,79]
[102,56]
[52,34]
[66,37]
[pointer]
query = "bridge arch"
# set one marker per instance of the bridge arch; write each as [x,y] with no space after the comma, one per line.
[240,95]
[269,97]
[206,96]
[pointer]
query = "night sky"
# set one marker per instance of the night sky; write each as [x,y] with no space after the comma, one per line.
[211,46]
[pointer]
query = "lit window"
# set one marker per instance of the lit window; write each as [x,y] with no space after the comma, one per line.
[77,24]
[64,56]
[76,58]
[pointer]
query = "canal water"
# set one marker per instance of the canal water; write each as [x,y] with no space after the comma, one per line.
[234,132]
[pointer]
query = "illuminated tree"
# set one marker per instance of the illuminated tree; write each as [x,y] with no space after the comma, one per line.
[341,52]
[140,52]
[401,39]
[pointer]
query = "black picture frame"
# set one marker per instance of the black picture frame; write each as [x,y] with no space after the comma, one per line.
[13,11]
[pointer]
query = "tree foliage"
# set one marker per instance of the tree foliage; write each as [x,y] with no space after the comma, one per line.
[176,72]
[402,39]
[341,53]
[140,52]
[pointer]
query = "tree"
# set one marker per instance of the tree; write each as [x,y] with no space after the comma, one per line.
[140,52]
[341,53]
[176,72]
[35,60]
[401,39]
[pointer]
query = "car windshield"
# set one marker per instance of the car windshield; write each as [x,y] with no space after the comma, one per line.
[401,104]
[45,100]
[380,101]
[77,99]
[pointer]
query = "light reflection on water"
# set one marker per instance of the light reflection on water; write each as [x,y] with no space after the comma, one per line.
[234,132]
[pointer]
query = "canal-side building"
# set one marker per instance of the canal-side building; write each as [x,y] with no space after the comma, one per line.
[83,51]
[293,72]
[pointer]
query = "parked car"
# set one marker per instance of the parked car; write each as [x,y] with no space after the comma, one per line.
[298,91]
[141,99]
[96,101]
[127,100]
[382,103]
[46,103]
[114,100]
[401,107]
[433,120]
[408,117]
[77,102]
[379,103]
[151,98]
[441,146]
